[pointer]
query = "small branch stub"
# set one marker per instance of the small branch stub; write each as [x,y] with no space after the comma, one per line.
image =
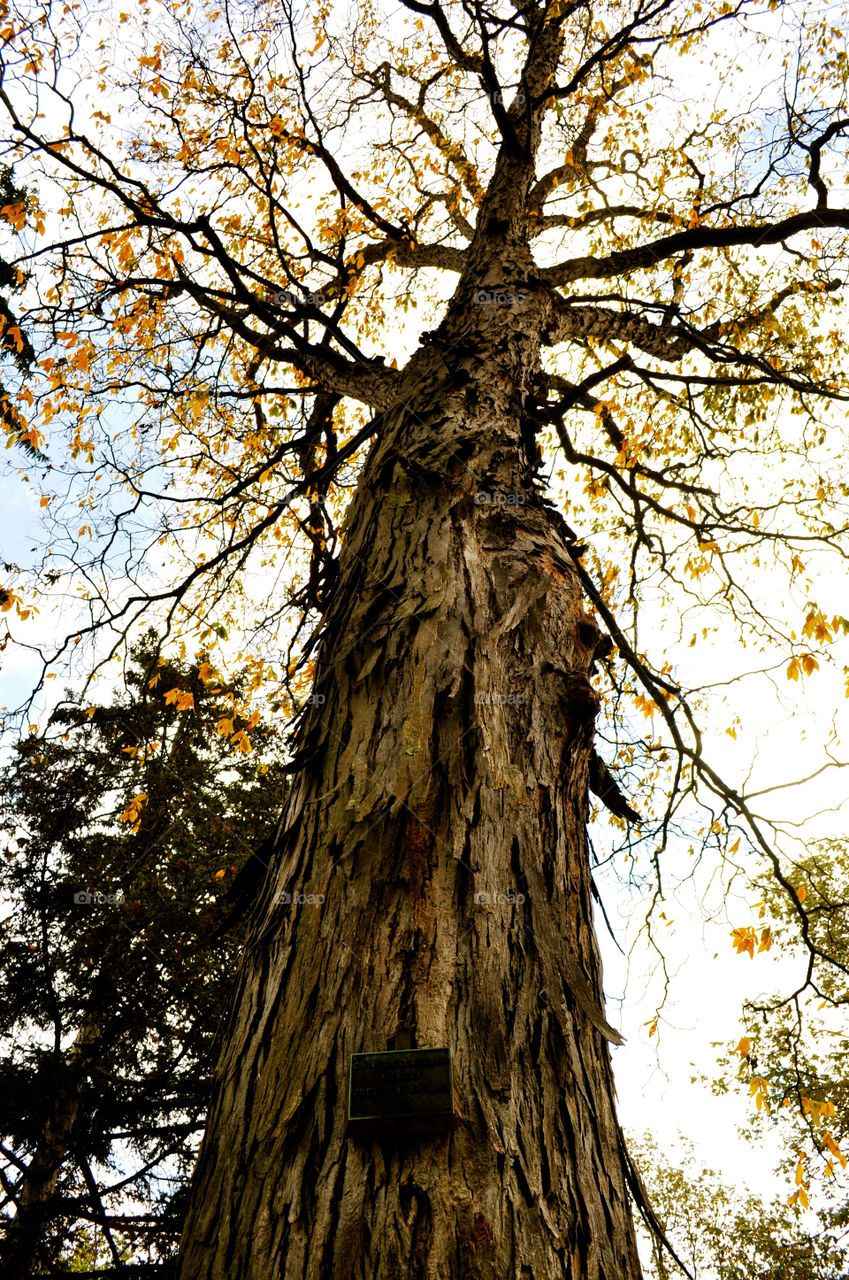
[401,1091]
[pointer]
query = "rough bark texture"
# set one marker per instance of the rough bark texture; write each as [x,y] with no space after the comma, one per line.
[444,764]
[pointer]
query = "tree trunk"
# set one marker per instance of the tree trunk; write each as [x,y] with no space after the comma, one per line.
[443,768]
[25,1232]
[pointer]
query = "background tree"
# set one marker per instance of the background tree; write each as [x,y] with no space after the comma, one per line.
[15,346]
[792,1058]
[723,1233]
[643,280]
[122,825]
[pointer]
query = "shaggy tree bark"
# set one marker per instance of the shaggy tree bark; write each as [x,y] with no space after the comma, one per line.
[443,763]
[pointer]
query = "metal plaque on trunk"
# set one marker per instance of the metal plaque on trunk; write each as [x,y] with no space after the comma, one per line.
[402,1091]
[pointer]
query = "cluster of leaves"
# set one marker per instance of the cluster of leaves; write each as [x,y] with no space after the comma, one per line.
[793,1055]
[123,827]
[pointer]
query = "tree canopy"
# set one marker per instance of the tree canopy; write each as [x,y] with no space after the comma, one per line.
[263,197]
[724,1232]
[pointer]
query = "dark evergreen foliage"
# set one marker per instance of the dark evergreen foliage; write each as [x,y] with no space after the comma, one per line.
[114,980]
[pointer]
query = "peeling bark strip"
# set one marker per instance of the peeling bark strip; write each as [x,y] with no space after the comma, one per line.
[447,777]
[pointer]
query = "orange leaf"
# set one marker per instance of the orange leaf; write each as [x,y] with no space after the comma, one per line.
[834,1149]
[744,940]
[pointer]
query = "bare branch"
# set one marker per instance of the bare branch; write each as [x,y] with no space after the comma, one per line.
[623,262]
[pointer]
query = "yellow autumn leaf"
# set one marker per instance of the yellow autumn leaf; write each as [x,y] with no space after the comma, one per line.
[82,359]
[183,699]
[132,813]
[834,1149]
[744,940]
